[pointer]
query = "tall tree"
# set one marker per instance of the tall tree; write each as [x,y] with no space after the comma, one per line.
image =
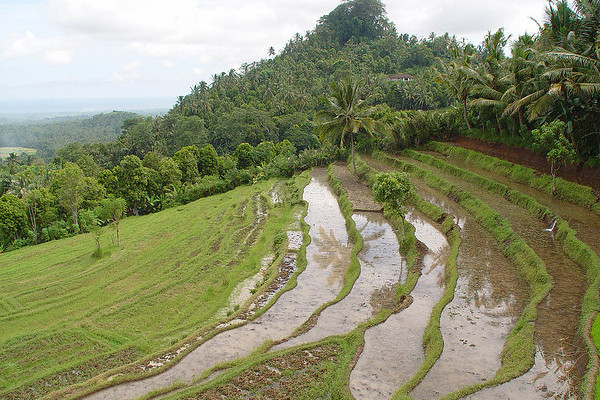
[346,114]
[69,187]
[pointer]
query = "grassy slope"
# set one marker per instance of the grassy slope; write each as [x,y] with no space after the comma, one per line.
[67,317]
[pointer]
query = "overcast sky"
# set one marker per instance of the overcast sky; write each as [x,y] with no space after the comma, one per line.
[160,48]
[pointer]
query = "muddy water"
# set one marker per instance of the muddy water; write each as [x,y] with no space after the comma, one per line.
[488,299]
[381,267]
[328,258]
[586,223]
[393,350]
[561,357]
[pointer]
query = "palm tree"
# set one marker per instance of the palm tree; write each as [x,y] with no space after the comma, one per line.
[347,114]
[458,76]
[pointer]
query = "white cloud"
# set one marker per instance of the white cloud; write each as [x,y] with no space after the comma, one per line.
[169,64]
[207,30]
[59,57]
[470,19]
[55,51]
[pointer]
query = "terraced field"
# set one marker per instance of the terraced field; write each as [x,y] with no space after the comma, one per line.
[491,293]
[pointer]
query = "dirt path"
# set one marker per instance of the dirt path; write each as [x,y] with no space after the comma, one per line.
[586,175]
[327,260]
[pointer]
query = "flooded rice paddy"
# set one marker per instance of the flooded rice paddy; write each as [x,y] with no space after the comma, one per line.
[488,299]
[328,257]
[560,356]
[393,350]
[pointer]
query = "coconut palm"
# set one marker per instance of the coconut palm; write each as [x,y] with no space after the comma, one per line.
[347,115]
[458,76]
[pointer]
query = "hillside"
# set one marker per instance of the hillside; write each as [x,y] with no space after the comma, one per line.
[49,137]
[162,286]
[274,99]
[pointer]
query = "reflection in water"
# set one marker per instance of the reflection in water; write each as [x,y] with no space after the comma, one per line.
[488,299]
[291,309]
[380,264]
[393,350]
[332,254]
[558,316]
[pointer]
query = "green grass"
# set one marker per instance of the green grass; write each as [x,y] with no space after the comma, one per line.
[5,151]
[566,190]
[67,317]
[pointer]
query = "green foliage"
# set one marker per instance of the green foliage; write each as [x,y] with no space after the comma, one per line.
[360,20]
[393,189]
[132,179]
[208,163]
[112,210]
[13,219]
[69,187]
[245,156]
[187,161]
[189,131]
[346,114]
[550,139]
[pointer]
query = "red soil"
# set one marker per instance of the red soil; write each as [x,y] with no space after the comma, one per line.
[582,174]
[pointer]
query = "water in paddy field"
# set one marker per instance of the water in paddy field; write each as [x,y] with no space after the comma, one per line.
[328,257]
[561,356]
[380,269]
[393,350]
[488,300]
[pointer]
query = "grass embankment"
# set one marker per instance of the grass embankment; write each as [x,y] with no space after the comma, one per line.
[68,317]
[519,350]
[574,248]
[433,343]
[570,191]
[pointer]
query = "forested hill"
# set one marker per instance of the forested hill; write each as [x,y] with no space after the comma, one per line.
[49,137]
[275,98]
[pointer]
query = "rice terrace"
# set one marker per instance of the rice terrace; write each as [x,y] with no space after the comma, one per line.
[362,215]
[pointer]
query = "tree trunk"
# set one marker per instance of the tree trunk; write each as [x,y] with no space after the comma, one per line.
[75,218]
[499,125]
[464,104]
[352,150]
[32,213]
[117,224]
[553,173]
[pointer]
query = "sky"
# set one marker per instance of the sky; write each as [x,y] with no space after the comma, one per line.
[114,49]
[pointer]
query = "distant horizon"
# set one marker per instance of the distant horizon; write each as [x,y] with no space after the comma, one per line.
[77,106]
